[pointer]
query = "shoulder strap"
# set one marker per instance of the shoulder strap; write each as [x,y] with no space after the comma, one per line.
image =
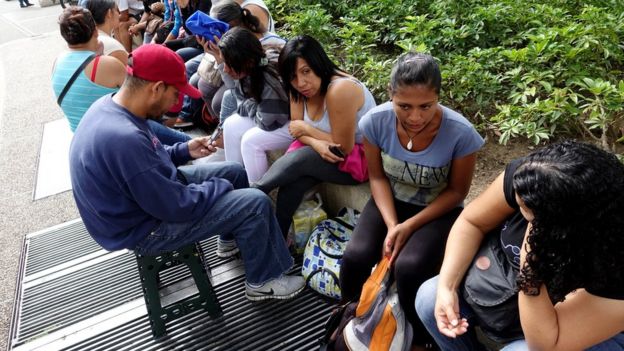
[73,78]
[94,69]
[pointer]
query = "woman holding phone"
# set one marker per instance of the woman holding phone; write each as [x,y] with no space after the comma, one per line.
[325,106]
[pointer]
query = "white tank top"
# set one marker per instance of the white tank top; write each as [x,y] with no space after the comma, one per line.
[323,122]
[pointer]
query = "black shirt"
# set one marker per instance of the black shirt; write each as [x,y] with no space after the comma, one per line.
[514,227]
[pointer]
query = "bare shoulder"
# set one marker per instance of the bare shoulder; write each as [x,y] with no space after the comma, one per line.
[342,90]
[112,71]
[121,56]
[111,63]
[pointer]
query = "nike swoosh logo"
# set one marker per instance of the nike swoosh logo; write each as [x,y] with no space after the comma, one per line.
[270,292]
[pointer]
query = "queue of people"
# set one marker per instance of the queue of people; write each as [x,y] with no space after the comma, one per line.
[535,261]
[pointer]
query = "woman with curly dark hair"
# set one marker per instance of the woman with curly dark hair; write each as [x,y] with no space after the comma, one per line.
[554,267]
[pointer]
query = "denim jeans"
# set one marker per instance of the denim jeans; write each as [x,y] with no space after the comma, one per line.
[425,302]
[245,213]
[229,105]
[166,135]
[188,53]
[190,105]
[192,65]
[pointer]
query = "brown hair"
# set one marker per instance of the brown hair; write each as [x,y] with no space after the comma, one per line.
[77,25]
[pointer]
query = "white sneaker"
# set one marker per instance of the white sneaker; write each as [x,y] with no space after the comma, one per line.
[282,288]
[226,248]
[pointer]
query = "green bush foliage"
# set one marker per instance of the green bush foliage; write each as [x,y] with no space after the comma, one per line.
[517,68]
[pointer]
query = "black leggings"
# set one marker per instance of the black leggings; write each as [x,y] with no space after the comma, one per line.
[295,173]
[419,260]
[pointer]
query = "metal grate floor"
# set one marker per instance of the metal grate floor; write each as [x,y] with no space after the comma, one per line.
[73,295]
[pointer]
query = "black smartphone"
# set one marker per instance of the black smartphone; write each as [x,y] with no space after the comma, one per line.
[216,134]
[336,151]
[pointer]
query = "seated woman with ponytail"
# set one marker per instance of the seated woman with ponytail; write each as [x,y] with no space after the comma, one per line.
[260,123]
[216,86]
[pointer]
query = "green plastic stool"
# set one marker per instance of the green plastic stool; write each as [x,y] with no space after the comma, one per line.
[149,272]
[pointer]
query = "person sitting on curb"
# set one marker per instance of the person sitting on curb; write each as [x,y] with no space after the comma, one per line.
[106,16]
[421,157]
[101,76]
[130,13]
[321,119]
[552,277]
[134,193]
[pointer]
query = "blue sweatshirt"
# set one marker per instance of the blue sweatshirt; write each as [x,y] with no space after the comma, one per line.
[126,183]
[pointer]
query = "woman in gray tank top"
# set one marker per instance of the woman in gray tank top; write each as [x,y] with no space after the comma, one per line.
[325,127]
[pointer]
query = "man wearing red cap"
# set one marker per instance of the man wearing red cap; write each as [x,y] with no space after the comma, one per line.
[134,193]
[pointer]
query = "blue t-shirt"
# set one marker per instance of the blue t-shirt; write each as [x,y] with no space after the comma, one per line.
[125,182]
[419,177]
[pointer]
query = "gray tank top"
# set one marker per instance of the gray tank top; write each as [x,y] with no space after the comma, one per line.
[323,122]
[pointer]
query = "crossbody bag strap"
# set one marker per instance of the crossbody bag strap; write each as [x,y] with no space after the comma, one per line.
[73,78]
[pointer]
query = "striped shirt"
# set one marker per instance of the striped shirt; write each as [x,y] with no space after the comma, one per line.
[272,112]
[82,94]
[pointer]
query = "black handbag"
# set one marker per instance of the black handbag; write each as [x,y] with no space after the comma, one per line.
[332,339]
[492,293]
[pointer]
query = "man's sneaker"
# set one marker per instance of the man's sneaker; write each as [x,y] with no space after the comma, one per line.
[226,248]
[282,288]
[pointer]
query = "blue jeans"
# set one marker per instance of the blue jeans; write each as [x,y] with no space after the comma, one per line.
[166,135]
[188,53]
[191,66]
[229,105]
[425,303]
[246,214]
[190,106]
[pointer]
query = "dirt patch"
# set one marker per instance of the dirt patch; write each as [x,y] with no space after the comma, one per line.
[491,161]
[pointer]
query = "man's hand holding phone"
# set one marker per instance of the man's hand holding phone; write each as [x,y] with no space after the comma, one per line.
[201,147]
[214,137]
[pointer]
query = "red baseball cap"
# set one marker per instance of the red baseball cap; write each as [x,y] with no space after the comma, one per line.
[154,62]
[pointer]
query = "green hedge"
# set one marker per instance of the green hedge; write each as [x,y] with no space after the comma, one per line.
[515,67]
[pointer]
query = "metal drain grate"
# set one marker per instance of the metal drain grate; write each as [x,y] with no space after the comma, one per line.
[75,296]
[61,244]
[277,325]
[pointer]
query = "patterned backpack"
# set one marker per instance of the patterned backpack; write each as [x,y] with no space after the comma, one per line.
[323,252]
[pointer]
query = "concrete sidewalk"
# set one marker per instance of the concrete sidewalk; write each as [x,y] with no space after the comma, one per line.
[29,43]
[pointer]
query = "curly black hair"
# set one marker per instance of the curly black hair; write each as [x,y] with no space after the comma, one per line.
[576,193]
